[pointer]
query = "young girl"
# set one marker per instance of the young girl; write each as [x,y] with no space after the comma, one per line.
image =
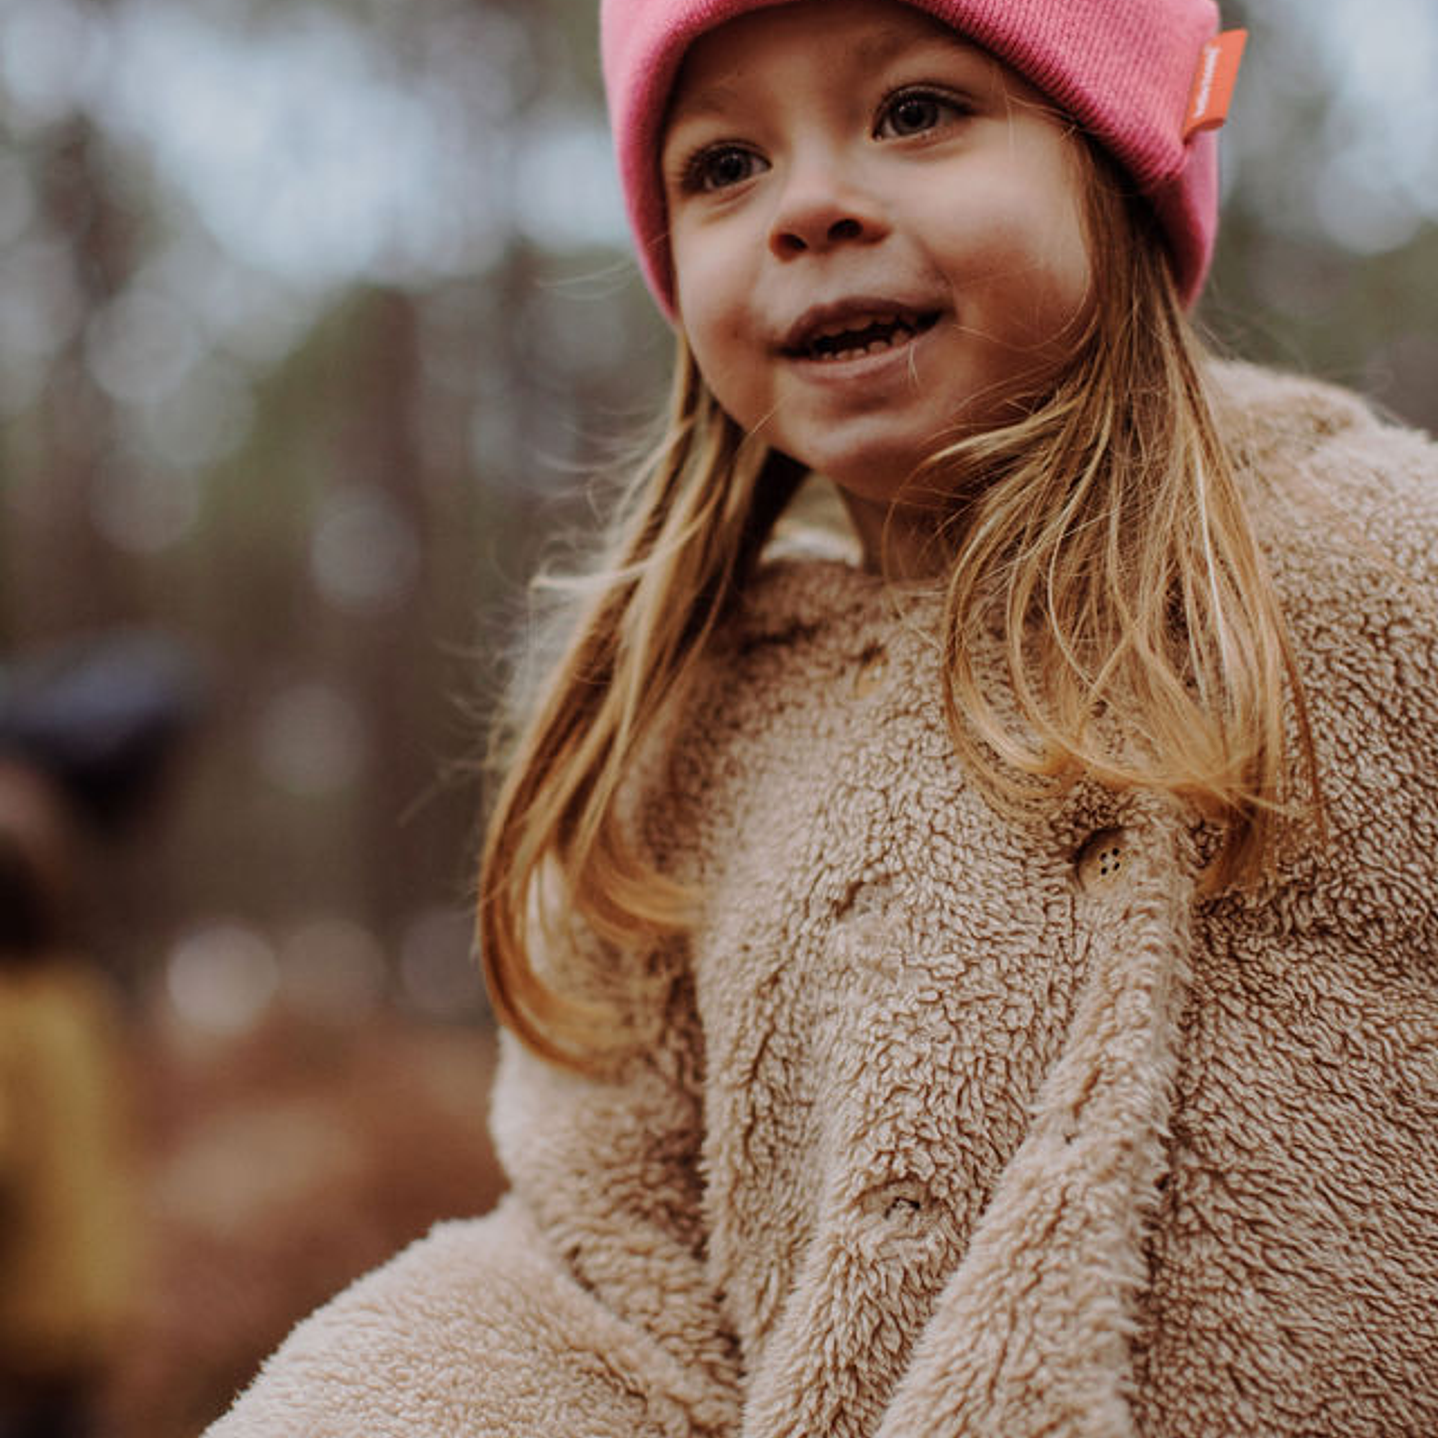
[989,986]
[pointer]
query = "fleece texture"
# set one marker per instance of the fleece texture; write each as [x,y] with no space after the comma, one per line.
[968,1126]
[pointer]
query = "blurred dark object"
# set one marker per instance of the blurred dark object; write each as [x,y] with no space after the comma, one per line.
[34,864]
[70,1245]
[101,716]
[86,730]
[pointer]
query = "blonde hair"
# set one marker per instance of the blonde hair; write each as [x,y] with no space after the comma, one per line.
[1106,535]
[1142,636]
[687,532]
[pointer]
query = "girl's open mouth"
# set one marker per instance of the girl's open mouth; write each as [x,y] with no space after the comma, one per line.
[861,335]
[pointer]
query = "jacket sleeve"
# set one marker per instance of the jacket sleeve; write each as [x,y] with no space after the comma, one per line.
[579,1306]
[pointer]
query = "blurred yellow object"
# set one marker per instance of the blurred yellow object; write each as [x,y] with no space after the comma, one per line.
[69,1241]
[69,1216]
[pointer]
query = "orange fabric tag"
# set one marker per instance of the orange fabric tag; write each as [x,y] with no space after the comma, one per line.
[1214,82]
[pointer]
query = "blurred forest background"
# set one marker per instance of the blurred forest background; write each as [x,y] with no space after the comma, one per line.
[314,315]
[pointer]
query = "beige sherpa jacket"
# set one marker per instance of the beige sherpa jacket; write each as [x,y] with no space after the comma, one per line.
[964,1127]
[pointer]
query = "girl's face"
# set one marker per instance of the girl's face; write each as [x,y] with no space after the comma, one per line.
[877,236]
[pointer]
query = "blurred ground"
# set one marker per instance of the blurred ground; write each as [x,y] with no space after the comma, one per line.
[275,1169]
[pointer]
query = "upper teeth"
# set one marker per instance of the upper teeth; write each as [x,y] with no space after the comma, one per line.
[858,322]
[860,332]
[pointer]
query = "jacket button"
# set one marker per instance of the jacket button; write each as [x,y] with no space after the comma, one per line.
[902,1206]
[1102,861]
[870,672]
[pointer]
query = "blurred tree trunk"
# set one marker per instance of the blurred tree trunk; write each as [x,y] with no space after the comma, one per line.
[387,652]
[67,576]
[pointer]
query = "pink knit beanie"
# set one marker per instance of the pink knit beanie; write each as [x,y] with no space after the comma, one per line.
[1124,69]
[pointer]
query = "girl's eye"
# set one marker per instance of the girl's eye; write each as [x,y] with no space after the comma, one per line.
[720,166]
[913,112]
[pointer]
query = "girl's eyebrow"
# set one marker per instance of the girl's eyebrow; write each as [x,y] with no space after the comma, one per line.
[880,46]
[717,99]
[871,52]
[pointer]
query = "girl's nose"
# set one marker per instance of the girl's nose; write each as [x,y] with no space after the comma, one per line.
[818,212]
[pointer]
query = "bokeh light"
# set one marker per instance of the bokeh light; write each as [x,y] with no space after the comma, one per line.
[312,739]
[222,978]
[333,969]
[364,555]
